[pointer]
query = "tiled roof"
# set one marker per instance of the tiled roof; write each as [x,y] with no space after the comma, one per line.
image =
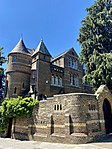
[42,49]
[20,48]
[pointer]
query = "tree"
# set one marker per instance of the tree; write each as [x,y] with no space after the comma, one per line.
[2,76]
[13,107]
[96,37]
[99,70]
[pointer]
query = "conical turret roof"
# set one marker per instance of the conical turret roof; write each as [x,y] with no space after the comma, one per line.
[20,48]
[41,48]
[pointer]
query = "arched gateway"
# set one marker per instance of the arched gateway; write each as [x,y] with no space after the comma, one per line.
[107,116]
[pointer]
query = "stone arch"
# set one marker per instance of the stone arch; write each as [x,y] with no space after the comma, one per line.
[107,115]
[101,94]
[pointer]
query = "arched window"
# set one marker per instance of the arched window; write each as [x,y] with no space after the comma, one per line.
[15,89]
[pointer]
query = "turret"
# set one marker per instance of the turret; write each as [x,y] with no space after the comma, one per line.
[40,77]
[18,71]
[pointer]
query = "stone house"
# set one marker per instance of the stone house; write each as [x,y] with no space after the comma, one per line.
[68,115]
[36,73]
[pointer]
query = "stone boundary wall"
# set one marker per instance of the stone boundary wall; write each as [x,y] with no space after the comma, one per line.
[68,118]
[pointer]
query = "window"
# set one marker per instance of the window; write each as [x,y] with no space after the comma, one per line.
[52,81]
[74,80]
[77,82]
[56,80]
[55,107]
[76,65]
[60,81]
[33,74]
[70,62]
[15,89]
[71,79]
[58,107]
[23,85]
[73,64]
[14,59]
[92,107]
[29,62]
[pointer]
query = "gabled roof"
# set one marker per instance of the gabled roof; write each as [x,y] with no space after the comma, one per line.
[41,48]
[20,48]
[64,54]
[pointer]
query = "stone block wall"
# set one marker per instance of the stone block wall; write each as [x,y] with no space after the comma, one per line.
[66,118]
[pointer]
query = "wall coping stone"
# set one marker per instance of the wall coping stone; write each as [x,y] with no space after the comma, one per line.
[70,94]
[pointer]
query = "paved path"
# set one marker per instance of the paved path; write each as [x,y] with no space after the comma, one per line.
[16,144]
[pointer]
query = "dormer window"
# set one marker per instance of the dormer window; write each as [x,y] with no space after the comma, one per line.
[14,59]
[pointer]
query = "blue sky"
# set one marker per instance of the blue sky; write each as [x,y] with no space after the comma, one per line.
[56,21]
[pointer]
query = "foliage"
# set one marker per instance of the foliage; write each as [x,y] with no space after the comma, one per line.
[3,122]
[2,76]
[99,70]
[96,35]
[18,106]
[2,59]
[14,107]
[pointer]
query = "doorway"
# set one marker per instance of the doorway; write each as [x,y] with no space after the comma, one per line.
[107,116]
